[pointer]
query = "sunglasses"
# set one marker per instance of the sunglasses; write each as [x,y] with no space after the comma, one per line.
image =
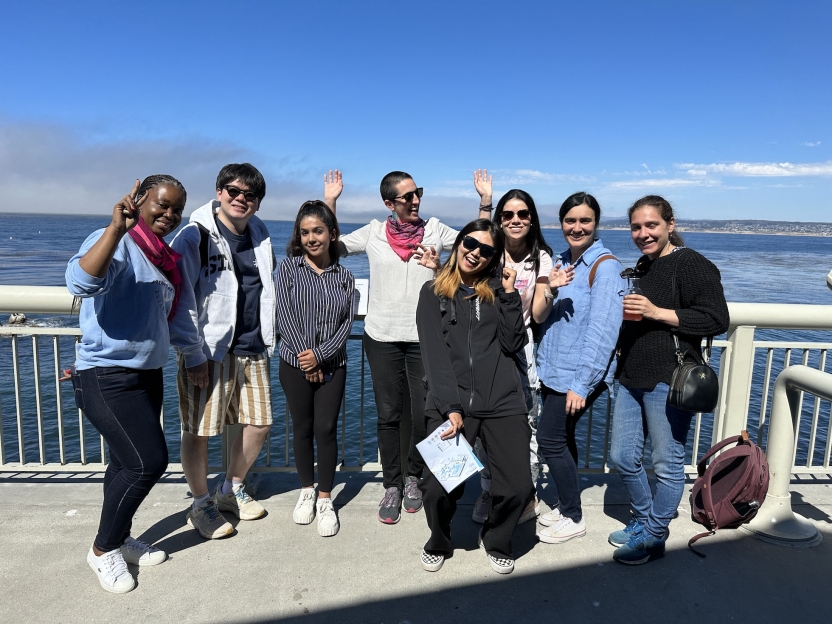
[233,191]
[508,215]
[470,243]
[408,197]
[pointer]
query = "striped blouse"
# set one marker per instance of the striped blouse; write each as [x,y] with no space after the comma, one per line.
[314,311]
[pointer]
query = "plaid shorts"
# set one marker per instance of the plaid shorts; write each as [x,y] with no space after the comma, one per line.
[238,392]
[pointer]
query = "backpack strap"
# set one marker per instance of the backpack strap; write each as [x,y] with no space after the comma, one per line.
[700,467]
[204,237]
[595,264]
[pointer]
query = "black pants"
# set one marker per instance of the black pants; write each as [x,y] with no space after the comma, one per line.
[506,442]
[314,409]
[556,444]
[124,405]
[391,363]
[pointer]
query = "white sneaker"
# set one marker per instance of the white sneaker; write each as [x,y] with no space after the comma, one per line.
[328,524]
[562,531]
[111,570]
[550,517]
[531,511]
[305,508]
[138,553]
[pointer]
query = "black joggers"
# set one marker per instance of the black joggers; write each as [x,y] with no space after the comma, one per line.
[314,409]
[506,442]
[391,365]
[124,405]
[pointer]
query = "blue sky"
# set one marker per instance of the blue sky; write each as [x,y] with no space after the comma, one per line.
[722,107]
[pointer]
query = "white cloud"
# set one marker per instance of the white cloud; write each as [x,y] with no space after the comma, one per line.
[811,143]
[749,169]
[533,176]
[654,183]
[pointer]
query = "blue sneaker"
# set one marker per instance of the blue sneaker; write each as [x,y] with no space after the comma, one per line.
[622,536]
[641,548]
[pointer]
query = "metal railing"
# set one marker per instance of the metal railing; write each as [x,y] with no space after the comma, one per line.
[40,412]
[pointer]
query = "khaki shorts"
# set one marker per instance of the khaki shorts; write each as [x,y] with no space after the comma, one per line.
[238,392]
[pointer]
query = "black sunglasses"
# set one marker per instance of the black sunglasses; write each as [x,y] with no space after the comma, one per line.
[408,197]
[233,191]
[470,243]
[508,215]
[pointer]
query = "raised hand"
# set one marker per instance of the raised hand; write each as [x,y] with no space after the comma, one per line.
[482,182]
[126,211]
[333,186]
[509,275]
[561,275]
[427,257]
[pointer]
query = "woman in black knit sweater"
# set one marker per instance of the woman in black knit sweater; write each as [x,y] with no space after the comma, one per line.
[695,309]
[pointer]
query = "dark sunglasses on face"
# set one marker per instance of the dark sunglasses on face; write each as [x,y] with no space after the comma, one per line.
[233,191]
[408,197]
[508,215]
[470,243]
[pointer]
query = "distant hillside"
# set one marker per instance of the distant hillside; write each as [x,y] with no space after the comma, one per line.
[733,226]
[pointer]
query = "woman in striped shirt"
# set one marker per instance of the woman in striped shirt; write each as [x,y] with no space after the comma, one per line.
[314,315]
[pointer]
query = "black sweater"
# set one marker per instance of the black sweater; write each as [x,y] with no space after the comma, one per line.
[648,354]
[469,360]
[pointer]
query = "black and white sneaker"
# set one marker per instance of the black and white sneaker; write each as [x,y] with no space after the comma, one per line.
[500,565]
[432,563]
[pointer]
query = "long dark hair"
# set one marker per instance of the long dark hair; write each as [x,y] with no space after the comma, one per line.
[319,210]
[534,239]
[448,279]
[665,212]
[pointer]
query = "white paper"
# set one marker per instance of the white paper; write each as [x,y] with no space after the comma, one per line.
[451,461]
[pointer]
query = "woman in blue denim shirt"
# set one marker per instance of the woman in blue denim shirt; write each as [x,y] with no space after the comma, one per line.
[691,308]
[576,356]
[127,277]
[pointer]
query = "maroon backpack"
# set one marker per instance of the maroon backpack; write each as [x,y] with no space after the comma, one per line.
[730,491]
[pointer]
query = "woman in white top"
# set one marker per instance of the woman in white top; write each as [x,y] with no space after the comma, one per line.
[526,253]
[400,249]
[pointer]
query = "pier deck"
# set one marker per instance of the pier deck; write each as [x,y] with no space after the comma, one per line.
[274,570]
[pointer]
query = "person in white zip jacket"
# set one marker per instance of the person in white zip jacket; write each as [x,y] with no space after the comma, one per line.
[222,330]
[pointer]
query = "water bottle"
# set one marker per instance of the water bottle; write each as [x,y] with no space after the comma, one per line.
[635,289]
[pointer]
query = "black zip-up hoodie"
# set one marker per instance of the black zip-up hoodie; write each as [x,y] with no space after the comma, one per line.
[467,348]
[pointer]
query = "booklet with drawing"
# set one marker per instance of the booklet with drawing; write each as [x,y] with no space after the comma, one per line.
[452,461]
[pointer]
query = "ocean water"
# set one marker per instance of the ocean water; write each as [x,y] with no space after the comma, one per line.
[34,250]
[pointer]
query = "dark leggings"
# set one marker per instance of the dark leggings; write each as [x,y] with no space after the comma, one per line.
[556,444]
[314,409]
[124,405]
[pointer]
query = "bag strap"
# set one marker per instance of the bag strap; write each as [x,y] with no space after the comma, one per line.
[709,340]
[716,448]
[595,264]
[696,538]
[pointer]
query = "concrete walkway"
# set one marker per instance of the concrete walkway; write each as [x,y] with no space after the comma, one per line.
[273,570]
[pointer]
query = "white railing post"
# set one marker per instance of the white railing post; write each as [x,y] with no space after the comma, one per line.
[735,382]
[775,522]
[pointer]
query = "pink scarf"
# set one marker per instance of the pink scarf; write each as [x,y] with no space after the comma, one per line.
[404,237]
[161,256]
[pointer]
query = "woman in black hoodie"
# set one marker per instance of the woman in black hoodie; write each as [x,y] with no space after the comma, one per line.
[470,324]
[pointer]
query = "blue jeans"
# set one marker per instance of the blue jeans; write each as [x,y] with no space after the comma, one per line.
[639,413]
[124,404]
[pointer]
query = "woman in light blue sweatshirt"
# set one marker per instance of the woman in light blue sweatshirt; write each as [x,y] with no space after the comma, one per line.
[127,277]
[575,358]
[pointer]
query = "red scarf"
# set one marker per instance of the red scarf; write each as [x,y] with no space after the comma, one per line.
[161,256]
[404,237]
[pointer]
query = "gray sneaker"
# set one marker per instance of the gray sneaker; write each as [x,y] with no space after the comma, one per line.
[209,522]
[412,501]
[482,507]
[390,506]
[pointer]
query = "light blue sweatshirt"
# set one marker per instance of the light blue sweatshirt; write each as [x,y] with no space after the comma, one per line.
[124,315]
[577,340]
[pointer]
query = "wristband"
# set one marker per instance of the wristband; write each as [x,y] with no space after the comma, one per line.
[549,295]
[489,207]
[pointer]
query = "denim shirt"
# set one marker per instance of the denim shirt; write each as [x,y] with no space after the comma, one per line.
[124,315]
[577,340]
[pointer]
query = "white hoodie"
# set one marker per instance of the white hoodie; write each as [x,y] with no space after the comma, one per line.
[203,325]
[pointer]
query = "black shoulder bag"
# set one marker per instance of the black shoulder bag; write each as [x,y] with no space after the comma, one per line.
[694,386]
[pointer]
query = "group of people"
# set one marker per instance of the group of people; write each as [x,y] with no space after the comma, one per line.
[461,334]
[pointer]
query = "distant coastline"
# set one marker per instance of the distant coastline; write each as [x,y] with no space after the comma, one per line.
[733,226]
